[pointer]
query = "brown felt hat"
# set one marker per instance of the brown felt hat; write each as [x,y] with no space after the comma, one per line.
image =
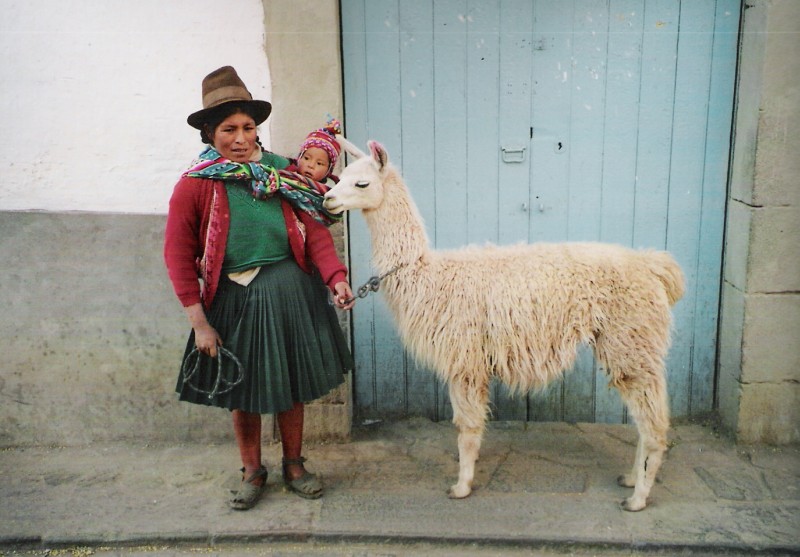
[223,86]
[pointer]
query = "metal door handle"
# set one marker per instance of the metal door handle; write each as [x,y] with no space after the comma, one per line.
[513,154]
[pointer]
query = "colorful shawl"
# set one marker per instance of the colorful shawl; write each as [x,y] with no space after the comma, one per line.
[301,192]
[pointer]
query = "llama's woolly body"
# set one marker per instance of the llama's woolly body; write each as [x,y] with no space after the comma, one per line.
[519,312]
[471,308]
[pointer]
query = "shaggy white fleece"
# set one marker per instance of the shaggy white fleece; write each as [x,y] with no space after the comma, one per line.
[519,313]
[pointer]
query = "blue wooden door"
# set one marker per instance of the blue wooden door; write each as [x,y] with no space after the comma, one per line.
[547,120]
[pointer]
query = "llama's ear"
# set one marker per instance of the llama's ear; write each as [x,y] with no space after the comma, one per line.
[378,153]
[349,148]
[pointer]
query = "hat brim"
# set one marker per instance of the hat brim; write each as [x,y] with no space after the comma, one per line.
[261,111]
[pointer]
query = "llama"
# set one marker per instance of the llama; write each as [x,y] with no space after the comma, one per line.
[518,313]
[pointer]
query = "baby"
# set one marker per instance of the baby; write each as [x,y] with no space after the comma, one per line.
[318,154]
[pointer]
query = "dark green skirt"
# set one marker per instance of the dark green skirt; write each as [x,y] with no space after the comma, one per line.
[284,333]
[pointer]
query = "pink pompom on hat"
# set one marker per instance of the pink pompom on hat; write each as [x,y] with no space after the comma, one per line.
[325,139]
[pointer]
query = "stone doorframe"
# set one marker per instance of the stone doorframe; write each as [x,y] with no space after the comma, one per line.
[758,386]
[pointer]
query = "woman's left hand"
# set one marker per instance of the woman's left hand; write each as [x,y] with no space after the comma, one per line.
[343,296]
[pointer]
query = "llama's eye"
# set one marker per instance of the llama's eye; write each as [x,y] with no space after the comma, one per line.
[362,184]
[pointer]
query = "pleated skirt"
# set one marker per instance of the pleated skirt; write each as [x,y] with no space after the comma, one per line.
[284,333]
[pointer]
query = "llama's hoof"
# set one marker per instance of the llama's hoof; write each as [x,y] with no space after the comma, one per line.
[626,480]
[631,505]
[457,492]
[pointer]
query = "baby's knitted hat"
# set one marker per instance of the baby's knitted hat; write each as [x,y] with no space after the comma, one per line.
[325,139]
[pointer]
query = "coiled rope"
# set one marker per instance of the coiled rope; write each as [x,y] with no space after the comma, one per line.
[220,381]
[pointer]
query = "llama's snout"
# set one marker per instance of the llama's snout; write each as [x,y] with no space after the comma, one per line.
[331,203]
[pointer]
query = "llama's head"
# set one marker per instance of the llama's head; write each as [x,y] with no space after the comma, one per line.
[361,182]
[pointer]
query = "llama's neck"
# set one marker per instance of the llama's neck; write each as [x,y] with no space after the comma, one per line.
[398,233]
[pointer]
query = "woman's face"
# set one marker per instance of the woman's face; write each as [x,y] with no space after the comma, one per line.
[314,163]
[235,137]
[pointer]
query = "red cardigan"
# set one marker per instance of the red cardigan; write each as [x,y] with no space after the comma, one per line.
[197,231]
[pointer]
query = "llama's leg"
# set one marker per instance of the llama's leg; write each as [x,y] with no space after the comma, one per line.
[470,407]
[629,479]
[469,446]
[634,357]
[653,453]
[650,410]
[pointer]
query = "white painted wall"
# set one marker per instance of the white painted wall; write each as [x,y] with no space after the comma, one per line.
[94,96]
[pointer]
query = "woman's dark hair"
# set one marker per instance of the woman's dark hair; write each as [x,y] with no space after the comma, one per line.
[217,116]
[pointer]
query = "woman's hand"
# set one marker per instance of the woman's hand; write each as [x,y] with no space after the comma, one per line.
[343,296]
[206,337]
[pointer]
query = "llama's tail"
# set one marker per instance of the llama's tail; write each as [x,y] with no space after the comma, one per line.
[664,266]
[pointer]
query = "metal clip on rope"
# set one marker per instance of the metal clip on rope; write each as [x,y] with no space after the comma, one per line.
[372,285]
[220,380]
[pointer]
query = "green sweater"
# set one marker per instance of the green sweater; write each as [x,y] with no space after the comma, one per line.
[257,234]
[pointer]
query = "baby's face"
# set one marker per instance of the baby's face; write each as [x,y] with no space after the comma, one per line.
[314,163]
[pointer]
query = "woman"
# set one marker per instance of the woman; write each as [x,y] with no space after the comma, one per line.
[264,254]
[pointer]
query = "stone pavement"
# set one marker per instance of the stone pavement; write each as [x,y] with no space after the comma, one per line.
[539,485]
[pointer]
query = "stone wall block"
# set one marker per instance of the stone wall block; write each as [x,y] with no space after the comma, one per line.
[737,244]
[773,262]
[769,413]
[770,351]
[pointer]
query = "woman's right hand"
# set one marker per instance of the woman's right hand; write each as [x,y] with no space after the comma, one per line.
[207,339]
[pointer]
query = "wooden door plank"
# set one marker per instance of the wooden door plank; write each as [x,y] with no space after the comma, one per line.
[383,47]
[587,120]
[483,61]
[621,137]
[417,111]
[715,179]
[550,110]
[617,208]
[690,119]
[354,61]
[515,88]
[655,113]
[354,52]
[417,75]
[383,59]
[511,169]
[450,123]
[450,129]
[659,47]
[486,189]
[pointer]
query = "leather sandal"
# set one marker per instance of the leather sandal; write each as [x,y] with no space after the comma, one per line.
[249,492]
[307,486]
